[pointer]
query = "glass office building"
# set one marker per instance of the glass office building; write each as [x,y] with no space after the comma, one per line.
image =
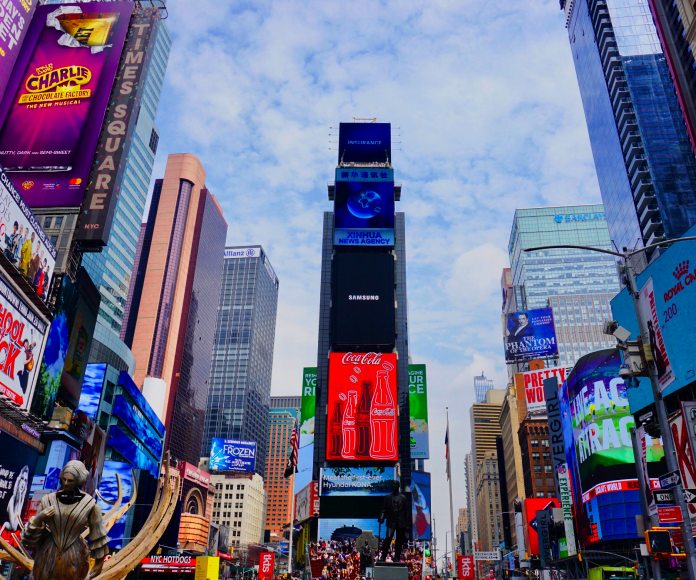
[643,157]
[482,384]
[242,362]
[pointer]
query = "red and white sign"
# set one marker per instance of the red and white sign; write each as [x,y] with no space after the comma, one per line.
[307,502]
[169,564]
[266,562]
[610,487]
[530,387]
[683,427]
[465,567]
[670,514]
[363,408]
[192,473]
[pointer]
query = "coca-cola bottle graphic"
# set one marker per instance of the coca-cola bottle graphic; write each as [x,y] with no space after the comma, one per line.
[335,436]
[363,420]
[348,425]
[382,419]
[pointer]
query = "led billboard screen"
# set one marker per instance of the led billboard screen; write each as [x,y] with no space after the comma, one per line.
[362,301]
[307,502]
[418,410]
[362,407]
[54,105]
[531,507]
[108,489]
[364,207]
[364,143]
[356,480]
[530,334]
[420,505]
[92,388]
[232,455]
[305,455]
[16,471]
[340,529]
[131,451]
[141,430]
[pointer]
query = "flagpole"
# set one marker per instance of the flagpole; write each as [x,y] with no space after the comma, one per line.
[292,522]
[449,471]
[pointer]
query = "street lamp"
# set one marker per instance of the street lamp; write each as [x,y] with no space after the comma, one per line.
[628,271]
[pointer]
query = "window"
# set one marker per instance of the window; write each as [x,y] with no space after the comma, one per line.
[59,221]
[47,222]
[154,140]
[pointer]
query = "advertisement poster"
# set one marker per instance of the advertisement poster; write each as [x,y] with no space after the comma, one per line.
[530,334]
[531,507]
[15,16]
[108,490]
[364,143]
[307,502]
[54,105]
[22,339]
[420,505]
[305,454]
[683,431]
[465,567]
[169,564]
[232,455]
[363,310]
[347,528]
[563,479]
[364,207]
[362,407]
[16,472]
[266,564]
[648,307]
[92,388]
[356,480]
[418,409]
[530,389]
[23,242]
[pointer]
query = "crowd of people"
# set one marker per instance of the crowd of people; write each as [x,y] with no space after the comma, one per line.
[345,560]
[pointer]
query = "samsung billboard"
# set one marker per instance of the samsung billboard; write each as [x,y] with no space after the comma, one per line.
[232,455]
[362,301]
[364,143]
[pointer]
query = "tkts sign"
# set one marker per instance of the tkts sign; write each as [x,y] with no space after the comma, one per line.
[363,414]
[266,562]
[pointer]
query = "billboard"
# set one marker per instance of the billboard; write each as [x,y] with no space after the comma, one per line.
[108,490]
[126,383]
[346,528]
[266,564]
[420,505]
[530,334]
[169,564]
[92,388]
[356,480]
[364,143]
[531,507]
[362,301]
[529,386]
[362,407]
[418,410]
[94,223]
[682,425]
[16,472]
[307,502]
[22,340]
[232,455]
[465,567]
[54,105]
[23,242]
[305,453]
[15,16]
[133,452]
[364,207]
[141,430]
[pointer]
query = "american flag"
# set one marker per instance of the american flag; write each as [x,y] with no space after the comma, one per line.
[291,467]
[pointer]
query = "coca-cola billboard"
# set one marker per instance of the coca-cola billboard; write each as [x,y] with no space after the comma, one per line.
[362,407]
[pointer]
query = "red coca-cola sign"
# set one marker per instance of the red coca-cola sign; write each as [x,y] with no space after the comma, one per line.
[363,413]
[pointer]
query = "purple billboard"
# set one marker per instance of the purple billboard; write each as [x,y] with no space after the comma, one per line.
[15,16]
[53,108]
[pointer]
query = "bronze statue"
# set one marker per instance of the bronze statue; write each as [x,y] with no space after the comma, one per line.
[55,532]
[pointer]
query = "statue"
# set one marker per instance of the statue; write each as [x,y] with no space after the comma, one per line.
[55,532]
[396,512]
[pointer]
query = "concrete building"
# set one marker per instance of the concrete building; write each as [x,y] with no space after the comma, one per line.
[536,458]
[242,359]
[488,506]
[173,306]
[470,477]
[514,466]
[239,505]
[485,424]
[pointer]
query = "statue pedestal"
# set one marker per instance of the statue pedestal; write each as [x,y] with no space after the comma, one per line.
[390,571]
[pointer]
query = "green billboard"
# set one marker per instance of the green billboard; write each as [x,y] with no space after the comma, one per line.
[307,406]
[418,411]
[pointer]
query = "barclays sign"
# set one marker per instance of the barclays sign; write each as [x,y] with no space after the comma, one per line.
[578,217]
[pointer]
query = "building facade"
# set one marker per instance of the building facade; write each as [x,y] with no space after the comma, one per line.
[536,457]
[482,385]
[643,157]
[485,424]
[239,505]
[514,466]
[173,308]
[279,489]
[470,477]
[488,505]
[242,361]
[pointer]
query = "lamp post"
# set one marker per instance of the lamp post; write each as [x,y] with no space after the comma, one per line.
[628,271]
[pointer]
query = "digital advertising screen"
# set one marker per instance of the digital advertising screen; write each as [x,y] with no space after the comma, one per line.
[364,143]
[127,384]
[356,481]
[362,301]
[418,410]
[362,407]
[530,389]
[364,207]
[131,451]
[305,453]
[232,455]
[420,505]
[530,334]
[141,430]
[531,507]
[307,502]
[53,108]
[340,529]
[17,466]
[92,389]
[108,490]
[15,16]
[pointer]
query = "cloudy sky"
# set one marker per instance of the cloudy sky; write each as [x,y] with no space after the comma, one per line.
[486,118]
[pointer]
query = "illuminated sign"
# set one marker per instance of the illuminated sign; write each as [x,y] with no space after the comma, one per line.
[530,334]
[266,564]
[530,388]
[418,409]
[578,217]
[232,455]
[364,143]
[252,252]
[169,564]
[362,407]
[356,480]
[307,502]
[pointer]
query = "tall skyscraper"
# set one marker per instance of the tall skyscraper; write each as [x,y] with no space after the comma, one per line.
[485,424]
[111,269]
[242,361]
[279,489]
[482,385]
[173,307]
[645,165]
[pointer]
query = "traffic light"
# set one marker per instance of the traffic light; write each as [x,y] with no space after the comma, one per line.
[659,542]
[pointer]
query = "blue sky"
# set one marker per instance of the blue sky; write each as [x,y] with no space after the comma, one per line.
[486,118]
